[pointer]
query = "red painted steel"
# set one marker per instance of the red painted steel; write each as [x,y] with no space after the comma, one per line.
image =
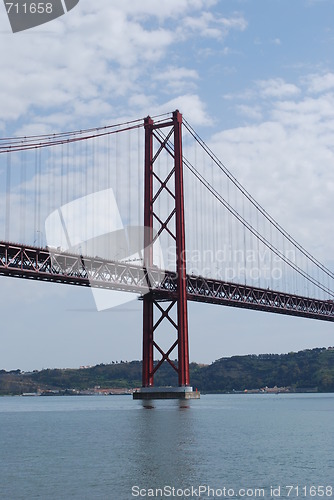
[147,376]
[151,301]
[183,347]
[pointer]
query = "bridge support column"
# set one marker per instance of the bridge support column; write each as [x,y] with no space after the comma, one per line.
[157,308]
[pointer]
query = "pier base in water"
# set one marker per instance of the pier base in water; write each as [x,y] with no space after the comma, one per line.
[166,393]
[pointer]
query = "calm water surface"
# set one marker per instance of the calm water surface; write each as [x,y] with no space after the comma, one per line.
[99,447]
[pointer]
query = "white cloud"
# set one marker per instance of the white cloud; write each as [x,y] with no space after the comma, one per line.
[211,26]
[191,106]
[286,162]
[320,83]
[164,8]
[94,61]
[253,112]
[278,88]
[177,79]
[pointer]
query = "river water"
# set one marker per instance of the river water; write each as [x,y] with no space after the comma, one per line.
[221,446]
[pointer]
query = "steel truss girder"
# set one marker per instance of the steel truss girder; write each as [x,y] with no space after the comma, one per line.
[38,263]
[201,289]
[34,263]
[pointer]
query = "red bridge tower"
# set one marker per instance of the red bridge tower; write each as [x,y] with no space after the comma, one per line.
[158,308]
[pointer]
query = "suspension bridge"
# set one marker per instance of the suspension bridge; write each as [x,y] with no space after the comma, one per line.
[188,231]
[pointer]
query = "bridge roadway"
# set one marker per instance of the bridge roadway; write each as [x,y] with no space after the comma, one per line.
[39,264]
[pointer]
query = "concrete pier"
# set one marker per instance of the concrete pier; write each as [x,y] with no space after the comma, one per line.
[166,393]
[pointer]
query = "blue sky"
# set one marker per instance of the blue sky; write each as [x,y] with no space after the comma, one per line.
[254,77]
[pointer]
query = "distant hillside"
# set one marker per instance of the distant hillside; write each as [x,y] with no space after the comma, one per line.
[309,369]
[312,369]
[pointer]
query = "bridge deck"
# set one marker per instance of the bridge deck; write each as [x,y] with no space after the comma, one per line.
[39,264]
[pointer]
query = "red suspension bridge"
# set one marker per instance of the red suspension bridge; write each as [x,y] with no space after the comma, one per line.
[219,245]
